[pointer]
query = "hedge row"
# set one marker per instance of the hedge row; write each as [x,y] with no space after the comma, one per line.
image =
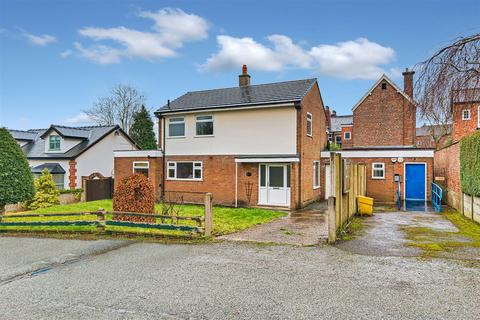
[470,164]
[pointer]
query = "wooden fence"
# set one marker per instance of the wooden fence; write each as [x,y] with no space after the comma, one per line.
[471,207]
[348,181]
[107,221]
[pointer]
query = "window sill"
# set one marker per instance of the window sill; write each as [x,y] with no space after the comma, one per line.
[192,180]
[377,178]
[316,188]
[205,136]
[179,137]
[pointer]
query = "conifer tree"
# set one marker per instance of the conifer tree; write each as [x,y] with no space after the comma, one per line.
[142,130]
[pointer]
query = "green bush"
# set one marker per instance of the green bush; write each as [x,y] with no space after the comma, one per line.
[470,164]
[334,147]
[46,192]
[16,180]
[77,193]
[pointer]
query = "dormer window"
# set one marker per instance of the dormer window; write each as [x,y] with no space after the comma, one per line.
[54,143]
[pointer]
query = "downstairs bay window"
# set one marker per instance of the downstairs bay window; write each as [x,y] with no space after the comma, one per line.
[185,170]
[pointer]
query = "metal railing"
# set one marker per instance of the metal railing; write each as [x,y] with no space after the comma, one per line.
[437,194]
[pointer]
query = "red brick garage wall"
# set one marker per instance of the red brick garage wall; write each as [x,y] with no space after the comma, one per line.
[123,167]
[447,165]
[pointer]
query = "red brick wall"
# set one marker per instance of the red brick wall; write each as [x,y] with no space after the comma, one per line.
[347,143]
[309,148]
[123,167]
[447,165]
[462,128]
[384,118]
[72,174]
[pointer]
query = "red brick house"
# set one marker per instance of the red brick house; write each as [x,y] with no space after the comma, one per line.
[250,145]
[383,136]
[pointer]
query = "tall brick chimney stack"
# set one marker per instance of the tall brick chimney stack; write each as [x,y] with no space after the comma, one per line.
[408,82]
[327,116]
[244,78]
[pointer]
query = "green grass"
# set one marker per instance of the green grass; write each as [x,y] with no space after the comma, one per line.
[225,220]
[353,229]
[433,242]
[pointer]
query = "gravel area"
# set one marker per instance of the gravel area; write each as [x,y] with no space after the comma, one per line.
[244,281]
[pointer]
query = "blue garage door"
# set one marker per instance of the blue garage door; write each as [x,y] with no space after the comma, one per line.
[415,181]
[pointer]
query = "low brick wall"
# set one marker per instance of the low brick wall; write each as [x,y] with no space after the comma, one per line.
[447,167]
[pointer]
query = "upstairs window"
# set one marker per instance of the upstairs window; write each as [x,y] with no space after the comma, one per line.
[347,135]
[54,143]
[185,170]
[466,114]
[204,125]
[176,127]
[378,170]
[309,124]
[141,167]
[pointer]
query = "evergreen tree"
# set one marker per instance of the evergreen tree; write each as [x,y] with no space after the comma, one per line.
[16,180]
[46,192]
[142,130]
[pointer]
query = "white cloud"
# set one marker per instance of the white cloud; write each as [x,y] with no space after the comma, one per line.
[171,29]
[41,40]
[66,53]
[357,59]
[79,118]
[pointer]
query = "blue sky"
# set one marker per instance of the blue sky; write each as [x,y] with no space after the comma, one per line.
[59,57]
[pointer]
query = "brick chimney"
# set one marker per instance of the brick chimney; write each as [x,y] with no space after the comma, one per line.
[408,82]
[327,116]
[244,78]
[334,113]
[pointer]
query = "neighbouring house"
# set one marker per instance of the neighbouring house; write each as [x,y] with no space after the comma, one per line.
[72,154]
[339,128]
[466,120]
[427,134]
[382,135]
[250,145]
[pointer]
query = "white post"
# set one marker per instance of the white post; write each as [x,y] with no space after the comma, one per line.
[236,184]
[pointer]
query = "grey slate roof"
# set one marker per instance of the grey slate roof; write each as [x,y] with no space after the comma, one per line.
[426,130]
[289,91]
[88,136]
[336,122]
[51,167]
[23,135]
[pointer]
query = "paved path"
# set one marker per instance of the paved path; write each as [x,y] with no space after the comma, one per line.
[304,227]
[383,236]
[237,281]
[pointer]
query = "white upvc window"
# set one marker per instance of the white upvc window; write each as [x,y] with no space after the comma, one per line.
[316,174]
[378,170]
[204,125]
[176,127]
[309,124]
[142,167]
[347,135]
[466,114]
[185,170]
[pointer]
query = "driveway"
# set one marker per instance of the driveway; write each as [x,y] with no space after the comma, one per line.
[411,234]
[231,281]
[303,227]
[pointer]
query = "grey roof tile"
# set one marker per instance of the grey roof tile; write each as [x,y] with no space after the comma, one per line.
[336,122]
[289,91]
[23,135]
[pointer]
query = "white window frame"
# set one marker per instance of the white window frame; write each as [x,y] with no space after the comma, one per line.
[173,165]
[316,165]
[349,135]
[463,114]
[141,162]
[197,121]
[310,120]
[383,170]
[177,122]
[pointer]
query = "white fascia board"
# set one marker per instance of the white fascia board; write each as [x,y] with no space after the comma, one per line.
[266,160]
[382,153]
[138,153]
[223,108]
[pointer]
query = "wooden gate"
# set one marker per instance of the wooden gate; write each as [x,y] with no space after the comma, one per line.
[98,189]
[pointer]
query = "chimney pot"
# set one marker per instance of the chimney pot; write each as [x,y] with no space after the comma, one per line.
[244,78]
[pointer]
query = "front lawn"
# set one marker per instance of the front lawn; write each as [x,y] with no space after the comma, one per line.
[225,219]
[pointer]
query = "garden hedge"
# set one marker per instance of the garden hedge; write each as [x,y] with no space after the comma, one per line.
[470,164]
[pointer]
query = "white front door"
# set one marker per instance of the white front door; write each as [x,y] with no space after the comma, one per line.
[274,184]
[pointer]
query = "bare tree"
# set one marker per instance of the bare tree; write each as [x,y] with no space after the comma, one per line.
[452,74]
[118,108]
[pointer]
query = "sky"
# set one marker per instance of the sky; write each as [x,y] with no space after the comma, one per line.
[58,58]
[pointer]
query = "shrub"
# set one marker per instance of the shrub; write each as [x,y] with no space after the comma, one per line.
[46,192]
[16,180]
[134,194]
[77,193]
[470,164]
[334,147]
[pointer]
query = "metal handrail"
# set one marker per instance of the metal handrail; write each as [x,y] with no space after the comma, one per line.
[437,195]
